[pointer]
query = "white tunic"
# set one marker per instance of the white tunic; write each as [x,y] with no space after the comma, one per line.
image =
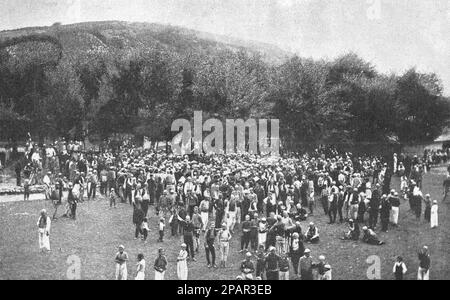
[44,235]
[182,269]
[434,216]
[140,270]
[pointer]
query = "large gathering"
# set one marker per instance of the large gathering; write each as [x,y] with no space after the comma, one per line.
[237,140]
[268,204]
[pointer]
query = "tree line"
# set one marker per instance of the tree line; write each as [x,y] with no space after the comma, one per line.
[141,90]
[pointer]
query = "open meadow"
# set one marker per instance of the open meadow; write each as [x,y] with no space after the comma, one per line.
[98,230]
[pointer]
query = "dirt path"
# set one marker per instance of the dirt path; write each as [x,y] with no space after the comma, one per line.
[18,198]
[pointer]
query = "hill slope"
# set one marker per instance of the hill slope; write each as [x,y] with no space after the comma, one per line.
[116,35]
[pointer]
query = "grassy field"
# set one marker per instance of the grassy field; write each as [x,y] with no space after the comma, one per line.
[97,232]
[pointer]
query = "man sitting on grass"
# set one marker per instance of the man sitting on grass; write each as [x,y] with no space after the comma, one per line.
[370,237]
[353,231]
[247,267]
[312,235]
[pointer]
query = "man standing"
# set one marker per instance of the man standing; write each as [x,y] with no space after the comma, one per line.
[354,204]
[259,191]
[44,224]
[254,232]
[198,225]
[151,189]
[103,181]
[188,236]
[272,259]
[245,239]
[47,185]
[224,240]
[374,207]
[138,218]
[306,266]
[121,264]
[182,268]
[395,207]
[18,170]
[92,182]
[423,272]
[296,251]
[219,207]
[59,186]
[399,268]
[72,201]
[191,200]
[434,214]
[384,213]
[333,203]
[160,265]
[340,203]
[231,210]
[204,212]
[446,186]
[278,231]
[210,249]
[284,267]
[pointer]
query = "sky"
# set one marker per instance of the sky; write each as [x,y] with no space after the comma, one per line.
[394,35]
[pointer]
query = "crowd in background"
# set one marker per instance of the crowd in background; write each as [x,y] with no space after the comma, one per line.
[263,201]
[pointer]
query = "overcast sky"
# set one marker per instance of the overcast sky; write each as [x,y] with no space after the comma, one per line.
[392,34]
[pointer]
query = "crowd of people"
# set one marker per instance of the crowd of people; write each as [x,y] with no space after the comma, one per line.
[263,201]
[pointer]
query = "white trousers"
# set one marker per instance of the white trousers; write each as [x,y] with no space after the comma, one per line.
[231,220]
[284,275]
[182,270]
[140,276]
[422,275]
[204,216]
[238,215]
[44,240]
[159,275]
[434,218]
[262,237]
[394,215]
[121,271]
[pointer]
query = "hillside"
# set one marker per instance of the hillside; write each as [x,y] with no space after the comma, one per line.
[90,37]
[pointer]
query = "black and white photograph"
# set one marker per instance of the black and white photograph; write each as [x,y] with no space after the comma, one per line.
[224,140]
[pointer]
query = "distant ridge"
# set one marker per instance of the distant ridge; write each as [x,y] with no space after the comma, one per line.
[112,35]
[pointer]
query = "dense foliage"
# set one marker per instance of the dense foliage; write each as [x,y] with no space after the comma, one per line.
[97,81]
